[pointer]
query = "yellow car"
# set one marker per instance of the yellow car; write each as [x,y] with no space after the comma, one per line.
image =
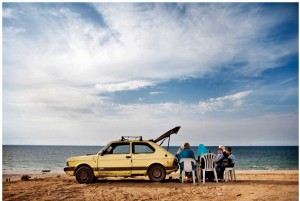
[124,158]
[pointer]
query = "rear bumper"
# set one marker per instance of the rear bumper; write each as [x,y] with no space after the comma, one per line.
[171,169]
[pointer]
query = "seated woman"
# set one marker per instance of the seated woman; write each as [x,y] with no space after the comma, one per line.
[201,150]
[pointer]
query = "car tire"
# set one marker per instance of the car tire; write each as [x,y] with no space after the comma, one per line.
[84,175]
[157,173]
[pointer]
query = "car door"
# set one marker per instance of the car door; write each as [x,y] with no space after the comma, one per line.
[142,157]
[115,160]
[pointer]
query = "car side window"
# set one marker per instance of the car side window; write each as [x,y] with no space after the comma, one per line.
[142,148]
[121,148]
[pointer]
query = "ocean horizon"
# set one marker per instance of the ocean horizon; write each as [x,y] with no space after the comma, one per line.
[35,158]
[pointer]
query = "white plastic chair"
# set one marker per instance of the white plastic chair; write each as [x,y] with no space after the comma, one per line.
[229,171]
[209,165]
[187,167]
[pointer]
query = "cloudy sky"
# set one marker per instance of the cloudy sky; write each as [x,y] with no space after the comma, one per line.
[85,74]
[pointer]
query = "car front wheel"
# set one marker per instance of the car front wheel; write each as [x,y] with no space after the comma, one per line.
[84,175]
[157,173]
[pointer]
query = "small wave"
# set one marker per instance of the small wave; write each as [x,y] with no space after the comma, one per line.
[257,167]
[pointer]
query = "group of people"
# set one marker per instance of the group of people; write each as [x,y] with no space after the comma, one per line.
[224,158]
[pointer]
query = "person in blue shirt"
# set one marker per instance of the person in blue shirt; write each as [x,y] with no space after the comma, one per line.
[186,153]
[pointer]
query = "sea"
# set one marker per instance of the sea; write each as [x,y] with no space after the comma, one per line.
[34,159]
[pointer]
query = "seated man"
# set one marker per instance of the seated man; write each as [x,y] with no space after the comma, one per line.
[186,153]
[229,163]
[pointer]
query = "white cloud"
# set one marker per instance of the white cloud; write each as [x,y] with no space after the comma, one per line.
[289,93]
[225,102]
[156,92]
[124,86]
[8,13]
[236,96]
[13,30]
[141,99]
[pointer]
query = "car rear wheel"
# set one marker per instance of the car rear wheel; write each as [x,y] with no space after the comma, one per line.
[157,173]
[84,175]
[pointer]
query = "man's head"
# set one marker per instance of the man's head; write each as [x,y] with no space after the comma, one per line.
[186,145]
[228,150]
[220,151]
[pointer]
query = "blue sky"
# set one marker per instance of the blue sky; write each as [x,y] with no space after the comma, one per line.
[85,74]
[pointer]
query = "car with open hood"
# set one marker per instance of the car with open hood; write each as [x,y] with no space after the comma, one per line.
[129,156]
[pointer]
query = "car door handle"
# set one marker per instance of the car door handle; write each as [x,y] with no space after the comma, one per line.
[128,156]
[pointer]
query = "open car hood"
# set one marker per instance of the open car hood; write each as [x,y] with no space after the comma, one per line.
[167,134]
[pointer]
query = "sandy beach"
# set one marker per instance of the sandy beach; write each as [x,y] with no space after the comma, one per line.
[250,185]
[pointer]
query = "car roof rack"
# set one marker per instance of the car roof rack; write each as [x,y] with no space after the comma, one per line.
[123,138]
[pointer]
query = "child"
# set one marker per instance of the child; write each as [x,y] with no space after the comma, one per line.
[219,160]
[230,162]
[220,155]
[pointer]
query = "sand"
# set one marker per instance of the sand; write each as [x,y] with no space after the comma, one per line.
[250,185]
